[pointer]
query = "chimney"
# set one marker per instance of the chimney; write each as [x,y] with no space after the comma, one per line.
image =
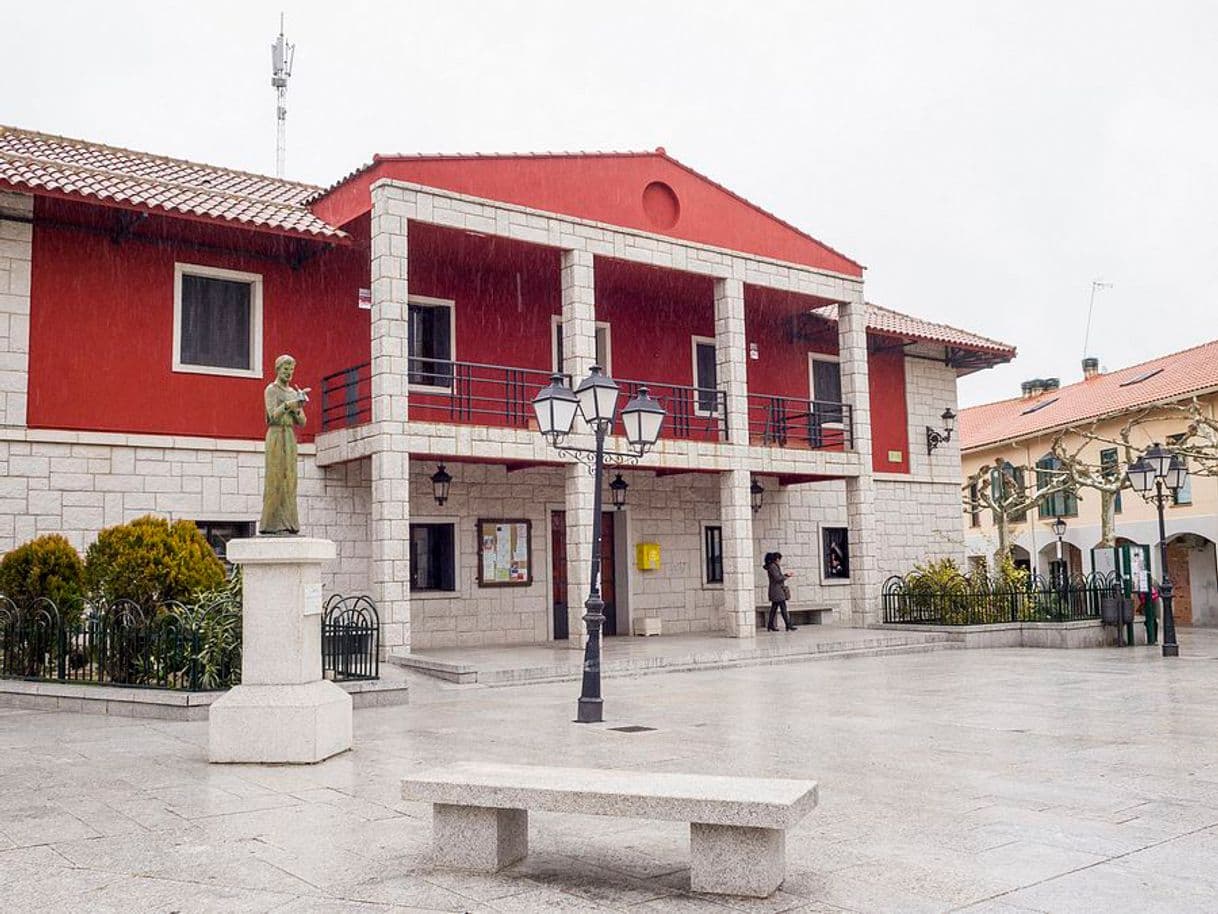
[1091,367]
[1037,386]
[1028,389]
[1050,384]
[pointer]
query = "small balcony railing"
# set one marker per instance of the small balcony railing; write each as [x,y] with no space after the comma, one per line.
[811,424]
[470,393]
[694,413]
[346,397]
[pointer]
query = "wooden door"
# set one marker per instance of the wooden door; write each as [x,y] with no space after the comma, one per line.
[1182,590]
[608,579]
[558,573]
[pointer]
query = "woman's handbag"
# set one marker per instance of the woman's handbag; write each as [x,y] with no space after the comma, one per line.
[786,592]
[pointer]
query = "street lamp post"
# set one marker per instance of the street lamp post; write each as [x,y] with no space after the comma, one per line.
[1165,473]
[1059,530]
[596,400]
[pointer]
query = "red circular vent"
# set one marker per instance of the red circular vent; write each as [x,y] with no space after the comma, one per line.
[661,205]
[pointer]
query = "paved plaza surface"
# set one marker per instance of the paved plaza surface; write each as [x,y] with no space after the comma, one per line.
[999,781]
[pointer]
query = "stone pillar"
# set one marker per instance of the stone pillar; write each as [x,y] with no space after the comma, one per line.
[579,495]
[16,259]
[283,712]
[860,489]
[739,592]
[579,354]
[578,314]
[731,356]
[389,531]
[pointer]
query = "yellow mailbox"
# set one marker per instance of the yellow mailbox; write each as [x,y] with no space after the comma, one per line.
[647,556]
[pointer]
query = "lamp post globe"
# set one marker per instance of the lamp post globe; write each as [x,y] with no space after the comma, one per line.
[756,495]
[1141,476]
[597,396]
[1159,459]
[1059,528]
[555,407]
[1177,474]
[949,421]
[642,418]
[441,480]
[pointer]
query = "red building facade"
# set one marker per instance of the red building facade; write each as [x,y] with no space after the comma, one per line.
[427,299]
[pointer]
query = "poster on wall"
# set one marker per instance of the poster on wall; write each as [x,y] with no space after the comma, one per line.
[835,553]
[505,553]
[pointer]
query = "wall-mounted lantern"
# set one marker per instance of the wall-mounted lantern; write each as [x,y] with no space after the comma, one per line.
[617,491]
[756,494]
[936,437]
[440,482]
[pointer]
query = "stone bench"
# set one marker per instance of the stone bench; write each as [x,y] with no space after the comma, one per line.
[800,615]
[737,831]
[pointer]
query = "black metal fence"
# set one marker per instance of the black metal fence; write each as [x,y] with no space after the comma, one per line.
[172,647]
[175,646]
[977,600]
[350,638]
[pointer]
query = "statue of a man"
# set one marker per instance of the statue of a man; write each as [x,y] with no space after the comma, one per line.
[284,412]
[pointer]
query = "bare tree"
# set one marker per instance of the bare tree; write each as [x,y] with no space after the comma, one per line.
[1003,488]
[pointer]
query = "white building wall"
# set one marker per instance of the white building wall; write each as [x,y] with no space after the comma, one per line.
[75,484]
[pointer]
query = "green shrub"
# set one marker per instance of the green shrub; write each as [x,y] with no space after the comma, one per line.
[45,567]
[150,561]
[215,617]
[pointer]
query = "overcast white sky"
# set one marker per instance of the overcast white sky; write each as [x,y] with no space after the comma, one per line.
[986,161]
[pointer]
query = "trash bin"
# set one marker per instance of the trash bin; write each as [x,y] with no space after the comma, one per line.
[1110,610]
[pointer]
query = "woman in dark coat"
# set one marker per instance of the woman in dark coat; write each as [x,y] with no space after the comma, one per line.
[778,592]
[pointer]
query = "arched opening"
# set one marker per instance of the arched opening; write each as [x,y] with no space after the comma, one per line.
[1058,570]
[1022,558]
[1192,565]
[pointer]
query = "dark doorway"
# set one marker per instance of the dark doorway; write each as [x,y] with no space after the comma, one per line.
[558,574]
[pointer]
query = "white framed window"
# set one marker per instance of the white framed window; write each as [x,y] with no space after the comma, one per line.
[217,321]
[431,344]
[824,378]
[604,346]
[712,554]
[705,375]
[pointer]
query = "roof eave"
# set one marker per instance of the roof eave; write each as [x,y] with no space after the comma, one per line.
[338,236]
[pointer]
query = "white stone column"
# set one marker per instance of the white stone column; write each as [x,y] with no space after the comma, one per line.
[579,354]
[389,532]
[579,494]
[731,357]
[860,489]
[736,516]
[283,712]
[16,261]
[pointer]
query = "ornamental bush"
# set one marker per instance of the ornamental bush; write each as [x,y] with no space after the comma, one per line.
[45,567]
[150,561]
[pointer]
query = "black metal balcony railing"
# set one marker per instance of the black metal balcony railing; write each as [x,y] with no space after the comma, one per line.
[694,413]
[789,422]
[346,397]
[470,393]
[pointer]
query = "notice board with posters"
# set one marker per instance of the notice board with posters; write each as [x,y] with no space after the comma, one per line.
[505,553]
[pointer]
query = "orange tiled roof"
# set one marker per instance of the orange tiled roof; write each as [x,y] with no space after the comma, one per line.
[1162,380]
[885,321]
[40,162]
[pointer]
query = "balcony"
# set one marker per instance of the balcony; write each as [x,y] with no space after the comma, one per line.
[500,396]
[788,422]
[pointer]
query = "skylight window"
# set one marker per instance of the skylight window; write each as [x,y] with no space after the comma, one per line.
[1142,377]
[1039,406]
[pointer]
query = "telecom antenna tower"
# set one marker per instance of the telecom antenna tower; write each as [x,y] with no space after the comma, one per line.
[281,68]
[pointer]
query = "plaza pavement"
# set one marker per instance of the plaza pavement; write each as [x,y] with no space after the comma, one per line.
[999,781]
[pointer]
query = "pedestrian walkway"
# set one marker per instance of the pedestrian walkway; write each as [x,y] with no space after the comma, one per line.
[636,656]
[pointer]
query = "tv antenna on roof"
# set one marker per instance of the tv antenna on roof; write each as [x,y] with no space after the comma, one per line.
[1096,286]
[282,54]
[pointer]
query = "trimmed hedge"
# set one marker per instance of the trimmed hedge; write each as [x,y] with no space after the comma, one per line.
[150,561]
[49,567]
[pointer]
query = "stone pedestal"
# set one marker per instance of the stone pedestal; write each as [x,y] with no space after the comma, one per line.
[283,712]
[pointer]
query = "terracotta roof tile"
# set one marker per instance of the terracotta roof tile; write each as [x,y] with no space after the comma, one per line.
[37,161]
[907,327]
[1162,380]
